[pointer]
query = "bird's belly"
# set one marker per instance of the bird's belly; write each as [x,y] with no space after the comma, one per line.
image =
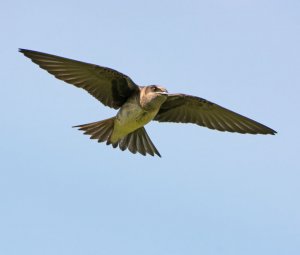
[130,118]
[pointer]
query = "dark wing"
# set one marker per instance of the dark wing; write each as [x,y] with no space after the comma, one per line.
[111,87]
[189,109]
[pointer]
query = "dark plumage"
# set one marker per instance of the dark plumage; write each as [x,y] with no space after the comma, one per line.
[139,104]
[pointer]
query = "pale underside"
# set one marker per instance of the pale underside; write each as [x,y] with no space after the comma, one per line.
[129,118]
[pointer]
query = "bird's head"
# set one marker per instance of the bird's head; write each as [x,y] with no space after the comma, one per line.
[153,96]
[156,89]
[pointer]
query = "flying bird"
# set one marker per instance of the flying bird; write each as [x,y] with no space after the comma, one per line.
[138,105]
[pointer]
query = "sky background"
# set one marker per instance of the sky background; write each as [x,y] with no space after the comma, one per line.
[211,192]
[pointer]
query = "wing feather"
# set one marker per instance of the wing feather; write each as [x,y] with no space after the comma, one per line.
[109,86]
[190,109]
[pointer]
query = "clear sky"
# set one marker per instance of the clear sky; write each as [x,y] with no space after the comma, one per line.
[211,192]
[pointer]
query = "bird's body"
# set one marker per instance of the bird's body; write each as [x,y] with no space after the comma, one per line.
[129,118]
[134,114]
[138,105]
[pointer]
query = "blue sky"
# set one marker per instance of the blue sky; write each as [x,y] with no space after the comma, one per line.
[211,192]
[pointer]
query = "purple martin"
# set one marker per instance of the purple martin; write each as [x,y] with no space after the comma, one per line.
[138,105]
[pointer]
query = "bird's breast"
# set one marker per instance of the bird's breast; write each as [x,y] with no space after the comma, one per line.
[132,114]
[130,117]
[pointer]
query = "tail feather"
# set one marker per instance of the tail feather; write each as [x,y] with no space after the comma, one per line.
[100,130]
[102,134]
[132,142]
[137,141]
[96,132]
[140,145]
[150,145]
[124,143]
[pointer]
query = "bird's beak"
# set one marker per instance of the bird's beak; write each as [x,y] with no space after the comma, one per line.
[163,93]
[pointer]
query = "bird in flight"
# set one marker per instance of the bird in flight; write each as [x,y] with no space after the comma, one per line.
[138,105]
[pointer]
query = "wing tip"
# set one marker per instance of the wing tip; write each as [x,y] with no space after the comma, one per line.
[25,52]
[270,131]
[22,50]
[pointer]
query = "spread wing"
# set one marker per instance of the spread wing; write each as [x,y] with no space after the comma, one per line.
[110,87]
[189,109]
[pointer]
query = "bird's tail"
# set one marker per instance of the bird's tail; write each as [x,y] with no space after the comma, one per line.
[137,141]
[100,130]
